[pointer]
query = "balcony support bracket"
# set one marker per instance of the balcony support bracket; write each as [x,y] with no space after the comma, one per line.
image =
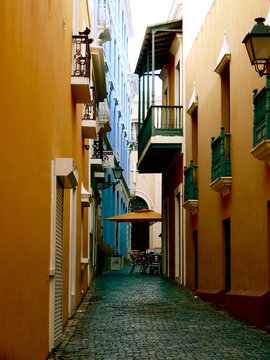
[192,206]
[262,151]
[222,185]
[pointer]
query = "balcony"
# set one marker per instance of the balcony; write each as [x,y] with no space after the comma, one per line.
[80,78]
[89,129]
[104,117]
[191,201]
[160,138]
[261,124]
[103,21]
[221,163]
[96,160]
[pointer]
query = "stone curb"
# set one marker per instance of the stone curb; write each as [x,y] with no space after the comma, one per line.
[71,324]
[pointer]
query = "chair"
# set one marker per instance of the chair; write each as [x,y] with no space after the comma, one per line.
[154,264]
[137,259]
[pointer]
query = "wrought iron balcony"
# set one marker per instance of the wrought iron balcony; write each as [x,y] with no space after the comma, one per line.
[103,21]
[160,138]
[104,117]
[96,160]
[80,77]
[221,163]
[89,128]
[103,13]
[261,123]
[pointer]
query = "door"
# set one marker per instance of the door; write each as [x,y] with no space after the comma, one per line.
[165,239]
[196,267]
[58,322]
[178,238]
[227,248]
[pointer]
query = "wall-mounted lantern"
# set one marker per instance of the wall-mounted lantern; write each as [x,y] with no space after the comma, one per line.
[258,46]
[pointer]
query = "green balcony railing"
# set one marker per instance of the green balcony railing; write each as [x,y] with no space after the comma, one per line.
[160,120]
[190,184]
[261,122]
[221,157]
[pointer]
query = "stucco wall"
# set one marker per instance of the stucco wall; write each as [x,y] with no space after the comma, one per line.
[247,204]
[39,121]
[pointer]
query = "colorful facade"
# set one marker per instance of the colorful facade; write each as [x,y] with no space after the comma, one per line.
[145,194]
[52,82]
[113,27]
[160,139]
[226,176]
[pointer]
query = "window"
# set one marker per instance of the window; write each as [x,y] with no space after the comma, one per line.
[194,135]
[225,98]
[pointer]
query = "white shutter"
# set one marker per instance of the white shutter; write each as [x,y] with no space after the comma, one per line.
[58,327]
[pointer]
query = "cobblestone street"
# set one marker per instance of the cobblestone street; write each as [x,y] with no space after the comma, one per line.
[135,316]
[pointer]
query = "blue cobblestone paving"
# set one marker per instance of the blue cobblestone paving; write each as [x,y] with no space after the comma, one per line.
[135,316]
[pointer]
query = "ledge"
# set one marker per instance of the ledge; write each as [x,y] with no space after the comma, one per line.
[66,171]
[193,103]
[192,206]
[96,165]
[262,151]
[222,185]
[86,197]
[224,56]
[89,129]
[80,89]
[99,177]
[222,64]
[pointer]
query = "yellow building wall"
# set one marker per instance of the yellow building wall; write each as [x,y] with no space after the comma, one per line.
[247,204]
[39,121]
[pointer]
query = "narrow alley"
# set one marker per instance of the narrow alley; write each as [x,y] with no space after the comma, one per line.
[136,316]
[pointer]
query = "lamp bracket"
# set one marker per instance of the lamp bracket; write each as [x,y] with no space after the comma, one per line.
[107,184]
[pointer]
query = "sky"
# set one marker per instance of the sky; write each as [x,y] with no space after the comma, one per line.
[149,12]
[145,12]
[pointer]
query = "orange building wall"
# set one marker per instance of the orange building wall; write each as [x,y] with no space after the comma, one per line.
[170,181]
[38,122]
[247,204]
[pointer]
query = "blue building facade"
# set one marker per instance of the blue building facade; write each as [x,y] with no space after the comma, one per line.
[112,29]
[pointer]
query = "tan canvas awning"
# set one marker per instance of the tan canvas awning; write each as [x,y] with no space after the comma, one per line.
[138,216]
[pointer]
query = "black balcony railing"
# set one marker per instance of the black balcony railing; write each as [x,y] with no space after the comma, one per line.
[82,55]
[90,108]
[98,148]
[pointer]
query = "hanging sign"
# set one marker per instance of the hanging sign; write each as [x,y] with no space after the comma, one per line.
[108,159]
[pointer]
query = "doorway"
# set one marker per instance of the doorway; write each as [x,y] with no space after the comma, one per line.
[196,259]
[226,225]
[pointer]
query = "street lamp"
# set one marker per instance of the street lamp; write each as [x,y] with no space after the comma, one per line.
[117,172]
[258,46]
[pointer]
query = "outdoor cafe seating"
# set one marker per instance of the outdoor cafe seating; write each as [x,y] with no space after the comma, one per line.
[149,262]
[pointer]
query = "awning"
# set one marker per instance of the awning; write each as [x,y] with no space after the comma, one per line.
[164,35]
[138,216]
